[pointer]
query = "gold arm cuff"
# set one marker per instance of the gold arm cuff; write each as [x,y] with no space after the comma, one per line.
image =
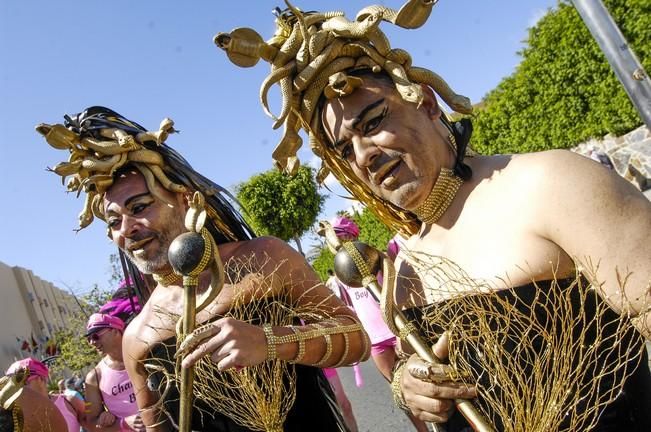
[272,354]
[321,331]
[396,388]
[328,351]
[406,331]
[342,361]
[301,336]
[301,346]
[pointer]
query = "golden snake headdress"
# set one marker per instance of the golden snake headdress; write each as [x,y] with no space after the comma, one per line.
[310,54]
[101,142]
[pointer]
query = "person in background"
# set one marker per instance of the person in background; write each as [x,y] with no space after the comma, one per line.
[122,304]
[38,408]
[383,342]
[70,389]
[109,391]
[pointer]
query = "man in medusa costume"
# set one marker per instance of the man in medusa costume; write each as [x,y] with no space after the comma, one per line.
[256,365]
[536,267]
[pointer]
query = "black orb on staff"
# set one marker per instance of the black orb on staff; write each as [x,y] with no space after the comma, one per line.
[190,254]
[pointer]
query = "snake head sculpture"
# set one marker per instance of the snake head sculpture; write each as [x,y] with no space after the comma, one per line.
[354,260]
[328,233]
[12,388]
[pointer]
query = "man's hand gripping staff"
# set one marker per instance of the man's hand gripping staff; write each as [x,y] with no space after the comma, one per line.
[356,264]
[190,254]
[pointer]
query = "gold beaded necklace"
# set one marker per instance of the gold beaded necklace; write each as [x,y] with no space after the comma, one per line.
[168,279]
[439,199]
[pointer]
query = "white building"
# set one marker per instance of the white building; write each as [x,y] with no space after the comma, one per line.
[31,310]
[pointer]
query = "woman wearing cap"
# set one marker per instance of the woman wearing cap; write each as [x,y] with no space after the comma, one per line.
[109,392]
[25,405]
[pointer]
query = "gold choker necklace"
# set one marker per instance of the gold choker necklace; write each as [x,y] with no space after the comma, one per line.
[439,199]
[168,279]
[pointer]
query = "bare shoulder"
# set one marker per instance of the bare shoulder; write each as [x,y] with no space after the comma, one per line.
[265,249]
[269,257]
[134,346]
[556,164]
[39,412]
[572,190]
[91,376]
[558,175]
[548,164]
[259,245]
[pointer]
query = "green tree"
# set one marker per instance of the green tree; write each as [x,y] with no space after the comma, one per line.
[75,353]
[323,262]
[371,230]
[280,205]
[115,269]
[564,91]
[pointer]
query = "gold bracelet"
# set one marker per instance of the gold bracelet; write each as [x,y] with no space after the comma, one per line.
[272,354]
[298,336]
[408,329]
[396,389]
[301,346]
[344,356]
[320,331]
[328,351]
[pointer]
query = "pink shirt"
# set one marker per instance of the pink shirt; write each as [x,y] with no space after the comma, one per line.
[117,391]
[68,412]
[367,309]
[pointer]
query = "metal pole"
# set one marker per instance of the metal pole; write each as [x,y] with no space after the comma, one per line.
[619,54]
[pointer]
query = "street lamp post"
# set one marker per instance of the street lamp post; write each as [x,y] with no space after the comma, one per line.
[619,54]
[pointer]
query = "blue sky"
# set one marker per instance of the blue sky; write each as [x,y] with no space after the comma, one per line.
[154,59]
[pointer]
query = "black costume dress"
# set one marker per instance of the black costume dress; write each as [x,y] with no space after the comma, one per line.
[6,420]
[315,407]
[630,411]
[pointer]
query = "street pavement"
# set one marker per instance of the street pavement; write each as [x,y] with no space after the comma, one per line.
[372,403]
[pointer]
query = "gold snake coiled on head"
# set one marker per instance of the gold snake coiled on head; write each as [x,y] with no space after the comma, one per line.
[92,162]
[321,44]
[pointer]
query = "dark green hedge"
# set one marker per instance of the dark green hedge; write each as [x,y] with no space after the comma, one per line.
[564,91]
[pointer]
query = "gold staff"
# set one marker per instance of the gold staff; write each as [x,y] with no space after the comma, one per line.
[356,264]
[190,254]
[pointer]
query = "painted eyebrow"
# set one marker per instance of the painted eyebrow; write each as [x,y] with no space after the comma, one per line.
[358,119]
[365,111]
[130,199]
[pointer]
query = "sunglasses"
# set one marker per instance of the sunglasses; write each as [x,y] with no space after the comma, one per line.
[95,336]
